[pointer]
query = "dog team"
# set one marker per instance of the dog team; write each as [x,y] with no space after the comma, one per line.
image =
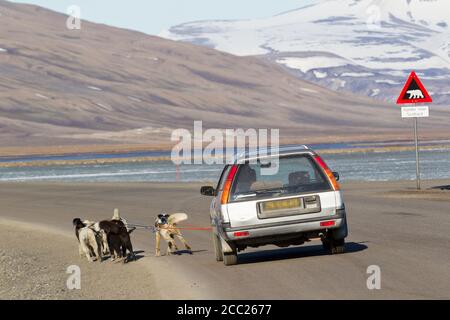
[98,239]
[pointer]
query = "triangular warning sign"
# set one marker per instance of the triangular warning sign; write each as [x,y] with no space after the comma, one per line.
[414,91]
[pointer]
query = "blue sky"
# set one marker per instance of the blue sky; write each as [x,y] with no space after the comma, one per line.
[152,16]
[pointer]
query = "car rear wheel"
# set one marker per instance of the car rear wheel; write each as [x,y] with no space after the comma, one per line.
[217,247]
[230,259]
[337,246]
[332,245]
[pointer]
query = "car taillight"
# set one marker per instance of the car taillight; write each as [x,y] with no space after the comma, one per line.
[328,172]
[327,223]
[227,186]
[241,234]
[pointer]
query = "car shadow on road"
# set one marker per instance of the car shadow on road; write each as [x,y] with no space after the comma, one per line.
[295,253]
[446,187]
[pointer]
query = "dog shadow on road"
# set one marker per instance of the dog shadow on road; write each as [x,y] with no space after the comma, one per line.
[188,252]
[295,253]
[137,256]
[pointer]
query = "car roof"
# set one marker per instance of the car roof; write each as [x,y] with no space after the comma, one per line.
[271,152]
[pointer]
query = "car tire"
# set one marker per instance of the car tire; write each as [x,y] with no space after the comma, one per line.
[230,259]
[337,246]
[217,247]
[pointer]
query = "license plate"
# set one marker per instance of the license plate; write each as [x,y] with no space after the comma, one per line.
[289,207]
[281,205]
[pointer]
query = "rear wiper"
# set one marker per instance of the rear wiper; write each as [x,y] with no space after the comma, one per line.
[258,192]
[263,191]
[246,195]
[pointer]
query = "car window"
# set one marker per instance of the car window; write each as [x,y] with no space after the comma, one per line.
[296,174]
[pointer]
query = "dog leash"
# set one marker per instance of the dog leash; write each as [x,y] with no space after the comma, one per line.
[190,228]
[152,228]
[155,229]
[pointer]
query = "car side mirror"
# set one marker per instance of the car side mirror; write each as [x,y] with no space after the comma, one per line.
[208,191]
[336,176]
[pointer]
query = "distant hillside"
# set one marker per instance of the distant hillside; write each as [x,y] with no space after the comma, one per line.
[103,85]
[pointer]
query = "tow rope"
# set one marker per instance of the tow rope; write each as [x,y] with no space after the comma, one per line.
[155,229]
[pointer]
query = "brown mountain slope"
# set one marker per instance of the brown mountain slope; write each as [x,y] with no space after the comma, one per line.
[104,85]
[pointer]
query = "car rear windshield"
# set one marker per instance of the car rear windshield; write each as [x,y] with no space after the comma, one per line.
[296,174]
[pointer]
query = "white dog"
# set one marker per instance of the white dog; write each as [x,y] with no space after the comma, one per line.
[89,242]
[101,236]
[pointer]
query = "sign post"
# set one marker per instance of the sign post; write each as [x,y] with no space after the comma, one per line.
[416,140]
[414,92]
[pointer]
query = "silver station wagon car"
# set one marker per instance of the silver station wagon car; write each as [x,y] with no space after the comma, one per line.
[299,201]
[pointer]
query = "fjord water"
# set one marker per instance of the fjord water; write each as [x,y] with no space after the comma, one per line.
[373,166]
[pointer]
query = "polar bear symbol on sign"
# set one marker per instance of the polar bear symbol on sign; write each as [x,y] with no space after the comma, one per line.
[415,94]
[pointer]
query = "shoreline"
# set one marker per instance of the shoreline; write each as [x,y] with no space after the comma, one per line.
[137,159]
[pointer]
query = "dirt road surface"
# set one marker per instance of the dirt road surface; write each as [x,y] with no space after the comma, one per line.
[404,232]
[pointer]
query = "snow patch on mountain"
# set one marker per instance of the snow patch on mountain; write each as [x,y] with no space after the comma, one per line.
[307,63]
[94,88]
[386,81]
[320,75]
[41,96]
[356,74]
[308,90]
[361,40]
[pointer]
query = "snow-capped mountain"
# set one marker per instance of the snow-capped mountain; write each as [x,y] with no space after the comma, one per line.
[363,46]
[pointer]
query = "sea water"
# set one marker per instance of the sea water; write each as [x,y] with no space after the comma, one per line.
[373,166]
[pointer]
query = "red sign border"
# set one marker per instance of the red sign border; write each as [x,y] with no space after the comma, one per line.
[427,98]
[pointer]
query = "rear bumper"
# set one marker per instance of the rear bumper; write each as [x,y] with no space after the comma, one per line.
[288,227]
